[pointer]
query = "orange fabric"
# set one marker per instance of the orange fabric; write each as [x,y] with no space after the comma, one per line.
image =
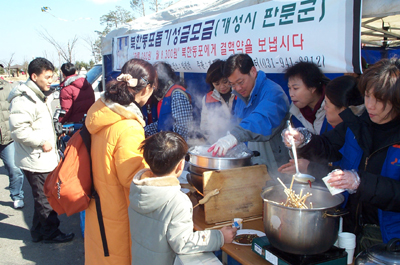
[209,98]
[68,186]
[116,159]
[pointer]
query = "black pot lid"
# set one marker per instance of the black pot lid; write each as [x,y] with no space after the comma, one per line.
[386,253]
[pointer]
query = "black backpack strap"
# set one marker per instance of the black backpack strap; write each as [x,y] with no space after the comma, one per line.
[86,139]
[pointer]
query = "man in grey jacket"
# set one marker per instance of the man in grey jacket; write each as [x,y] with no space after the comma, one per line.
[7,148]
[32,129]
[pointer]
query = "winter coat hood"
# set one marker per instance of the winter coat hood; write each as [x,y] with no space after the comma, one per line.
[150,193]
[29,89]
[75,80]
[112,113]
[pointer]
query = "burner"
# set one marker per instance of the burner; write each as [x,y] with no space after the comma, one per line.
[334,256]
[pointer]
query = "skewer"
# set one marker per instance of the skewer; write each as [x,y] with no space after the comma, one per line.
[282,183]
[291,184]
[293,200]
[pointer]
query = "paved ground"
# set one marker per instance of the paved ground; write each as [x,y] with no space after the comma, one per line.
[16,246]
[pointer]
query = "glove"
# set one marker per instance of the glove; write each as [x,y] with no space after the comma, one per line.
[223,145]
[354,181]
[345,179]
[301,137]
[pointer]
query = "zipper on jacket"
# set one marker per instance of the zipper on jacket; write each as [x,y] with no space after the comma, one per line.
[368,157]
[359,216]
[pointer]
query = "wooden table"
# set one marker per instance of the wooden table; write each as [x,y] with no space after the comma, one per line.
[242,254]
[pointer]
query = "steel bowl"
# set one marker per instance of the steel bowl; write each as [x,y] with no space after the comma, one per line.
[216,163]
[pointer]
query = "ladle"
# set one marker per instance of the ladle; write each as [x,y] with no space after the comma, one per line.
[299,177]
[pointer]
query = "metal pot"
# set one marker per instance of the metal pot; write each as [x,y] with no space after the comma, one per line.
[302,231]
[198,164]
[381,254]
[216,163]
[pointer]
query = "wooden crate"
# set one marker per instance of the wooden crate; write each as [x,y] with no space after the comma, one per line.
[240,193]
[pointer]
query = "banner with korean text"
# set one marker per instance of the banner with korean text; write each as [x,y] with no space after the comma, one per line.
[276,34]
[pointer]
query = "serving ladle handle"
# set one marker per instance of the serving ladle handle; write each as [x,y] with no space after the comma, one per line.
[300,177]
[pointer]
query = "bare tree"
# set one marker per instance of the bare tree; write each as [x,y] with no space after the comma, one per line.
[8,64]
[25,66]
[93,45]
[66,53]
[138,7]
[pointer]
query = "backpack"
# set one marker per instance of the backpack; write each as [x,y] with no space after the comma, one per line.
[69,187]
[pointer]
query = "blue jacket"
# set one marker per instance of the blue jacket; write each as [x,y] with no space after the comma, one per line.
[379,169]
[324,128]
[352,153]
[262,117]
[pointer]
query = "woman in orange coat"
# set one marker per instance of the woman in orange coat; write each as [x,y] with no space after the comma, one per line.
[115,123]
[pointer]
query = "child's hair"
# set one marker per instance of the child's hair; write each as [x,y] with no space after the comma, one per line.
[163,151]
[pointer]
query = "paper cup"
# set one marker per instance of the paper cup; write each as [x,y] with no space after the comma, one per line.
[331,189]
[238,223]
[350,255]
[347,240]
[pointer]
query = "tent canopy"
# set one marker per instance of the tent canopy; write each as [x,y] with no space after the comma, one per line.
[380,23]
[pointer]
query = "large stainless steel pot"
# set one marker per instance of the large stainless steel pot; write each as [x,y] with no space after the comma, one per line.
[302,231]
[216,163]
[198,164]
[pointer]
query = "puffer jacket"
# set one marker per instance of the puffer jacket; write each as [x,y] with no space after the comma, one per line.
[262,118]
[5,89]
[161,222]
[31,125]
[76,97]
[116,133]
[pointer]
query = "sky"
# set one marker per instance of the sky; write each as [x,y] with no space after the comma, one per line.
[22,19]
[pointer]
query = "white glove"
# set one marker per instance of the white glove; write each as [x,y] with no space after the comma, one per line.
[223,145]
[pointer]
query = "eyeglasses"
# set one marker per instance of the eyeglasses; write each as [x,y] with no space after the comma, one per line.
[240,83]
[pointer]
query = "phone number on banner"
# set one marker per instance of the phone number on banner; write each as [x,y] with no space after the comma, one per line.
[285,62]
